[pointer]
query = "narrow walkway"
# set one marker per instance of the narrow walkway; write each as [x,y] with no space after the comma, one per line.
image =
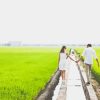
[73,89]
[74,85]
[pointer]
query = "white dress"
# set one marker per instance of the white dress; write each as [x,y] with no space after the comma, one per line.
[63,63]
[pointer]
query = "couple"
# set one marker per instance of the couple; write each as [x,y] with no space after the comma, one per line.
[88,53]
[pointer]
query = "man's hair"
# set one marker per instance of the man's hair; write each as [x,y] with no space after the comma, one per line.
[89,45]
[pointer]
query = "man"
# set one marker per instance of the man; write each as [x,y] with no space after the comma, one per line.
[88,54]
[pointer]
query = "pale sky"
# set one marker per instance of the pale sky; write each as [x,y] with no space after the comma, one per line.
[50,21]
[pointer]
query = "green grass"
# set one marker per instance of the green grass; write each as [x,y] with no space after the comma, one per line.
[25,71]
[95,68]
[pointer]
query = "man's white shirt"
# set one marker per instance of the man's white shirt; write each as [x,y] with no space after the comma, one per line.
[89,53]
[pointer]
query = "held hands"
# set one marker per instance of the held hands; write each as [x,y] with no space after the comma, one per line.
[77,61]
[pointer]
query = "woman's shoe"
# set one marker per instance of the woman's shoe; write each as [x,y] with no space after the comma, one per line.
[88,83]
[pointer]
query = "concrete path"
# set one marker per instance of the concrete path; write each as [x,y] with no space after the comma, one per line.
[73,89]
[74,85]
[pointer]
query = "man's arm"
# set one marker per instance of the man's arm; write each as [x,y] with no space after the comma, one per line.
[95,56]
[58,58]
[98,62]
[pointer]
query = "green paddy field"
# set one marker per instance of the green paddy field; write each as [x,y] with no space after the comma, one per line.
[24,71]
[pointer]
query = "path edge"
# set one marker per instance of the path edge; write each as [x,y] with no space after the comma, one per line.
[47,92]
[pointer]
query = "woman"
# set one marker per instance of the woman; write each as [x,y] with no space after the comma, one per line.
[63,62]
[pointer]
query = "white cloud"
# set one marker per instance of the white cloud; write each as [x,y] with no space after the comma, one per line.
[50,21]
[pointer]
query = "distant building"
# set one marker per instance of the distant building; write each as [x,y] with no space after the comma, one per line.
[14,43]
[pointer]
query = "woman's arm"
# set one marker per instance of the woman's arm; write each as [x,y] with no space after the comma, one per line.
[70,57]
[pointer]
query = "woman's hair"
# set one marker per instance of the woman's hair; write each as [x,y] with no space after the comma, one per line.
[62,49]
[89,45]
